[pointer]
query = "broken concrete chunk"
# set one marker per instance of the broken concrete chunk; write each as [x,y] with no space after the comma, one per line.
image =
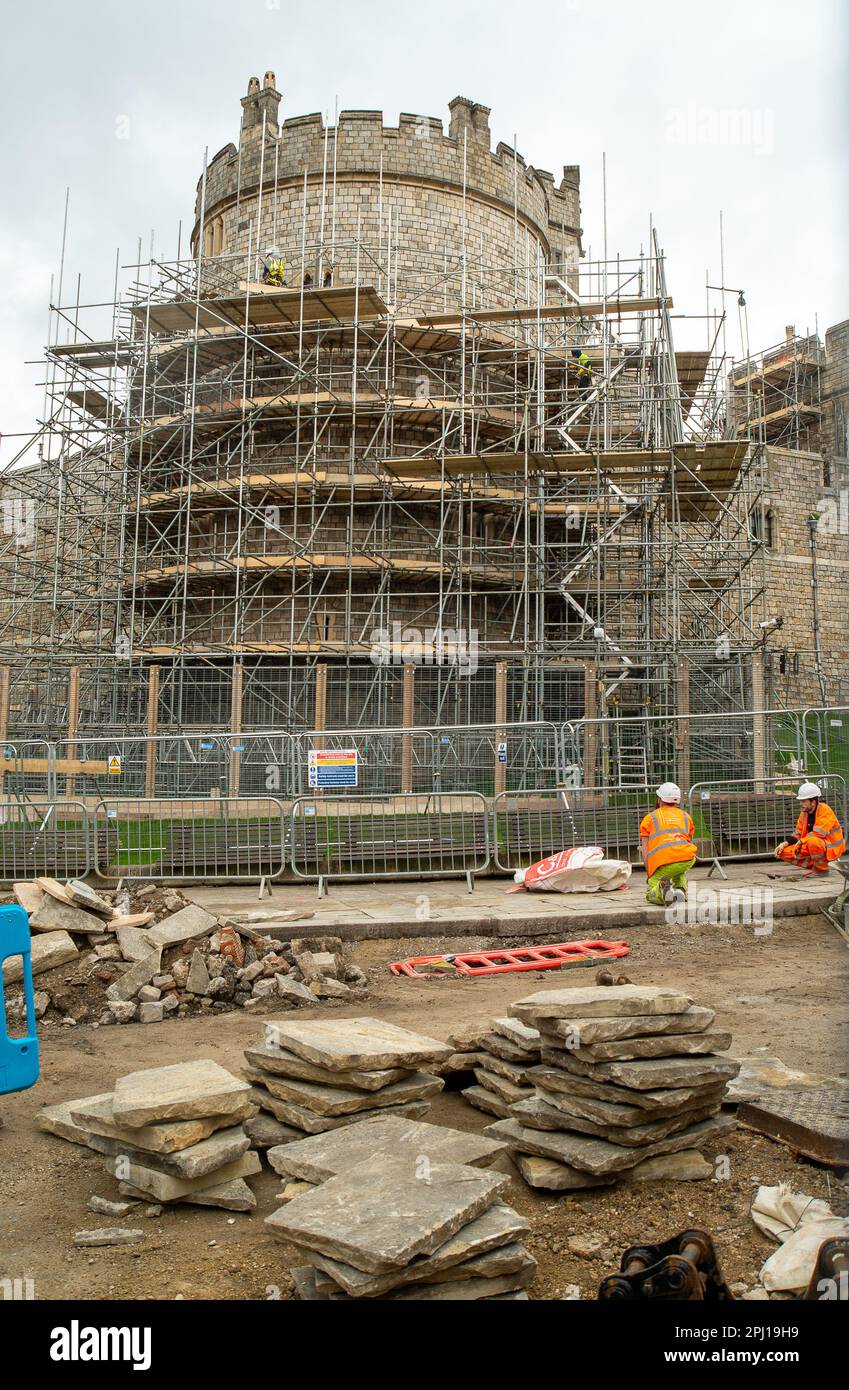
[185,925]
[294,991]
[104,1207]
[130,919]
[46,953]
[81,895]
[122,1010]
[29,896]
[151,1013]
[108,1235]
[186,1091]
[131,981]
[56,916]
[197,981]
[134,943]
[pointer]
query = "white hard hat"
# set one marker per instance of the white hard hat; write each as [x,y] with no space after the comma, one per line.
[807,791]
[668,791]
[273,251]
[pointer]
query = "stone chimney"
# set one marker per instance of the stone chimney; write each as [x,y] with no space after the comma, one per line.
[469,116]
[259,102]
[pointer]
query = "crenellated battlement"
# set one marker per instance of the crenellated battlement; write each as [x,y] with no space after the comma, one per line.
[364,156]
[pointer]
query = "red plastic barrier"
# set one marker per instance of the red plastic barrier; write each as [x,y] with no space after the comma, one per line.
[518,958]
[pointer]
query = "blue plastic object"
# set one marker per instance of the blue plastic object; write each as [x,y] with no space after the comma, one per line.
[18,1056]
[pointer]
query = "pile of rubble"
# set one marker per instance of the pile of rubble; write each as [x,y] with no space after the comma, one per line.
[629,1086]
[392,1208]
[169,1134]
[315,1076]
[107,958]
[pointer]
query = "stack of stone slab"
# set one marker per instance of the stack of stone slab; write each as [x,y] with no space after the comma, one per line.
[314,1076]
[505,1054]
[401,1210]
[170,1134]
[629,1086]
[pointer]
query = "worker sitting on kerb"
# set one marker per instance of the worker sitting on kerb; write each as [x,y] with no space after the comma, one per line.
[668,849]
[818,838]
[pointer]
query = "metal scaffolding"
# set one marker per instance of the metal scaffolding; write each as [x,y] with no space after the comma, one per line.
[252,507]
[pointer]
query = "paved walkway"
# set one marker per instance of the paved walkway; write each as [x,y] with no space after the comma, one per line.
[414,908]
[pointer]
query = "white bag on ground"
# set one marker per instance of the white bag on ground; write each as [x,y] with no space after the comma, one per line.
[801,1224]
[582,869]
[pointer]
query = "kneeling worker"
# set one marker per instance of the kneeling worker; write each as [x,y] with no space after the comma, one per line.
[818,839]
[667,844]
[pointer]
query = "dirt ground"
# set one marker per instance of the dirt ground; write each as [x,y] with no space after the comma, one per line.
[785,994]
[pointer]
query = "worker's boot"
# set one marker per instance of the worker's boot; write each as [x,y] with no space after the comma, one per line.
[666,888]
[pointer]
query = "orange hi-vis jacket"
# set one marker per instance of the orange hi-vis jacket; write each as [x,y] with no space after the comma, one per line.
[669,832]
[826,835]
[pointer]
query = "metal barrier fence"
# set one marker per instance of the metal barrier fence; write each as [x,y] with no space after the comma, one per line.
[746,818]
[528,826]
[825,739]
[409,836]
[47,838]
[234,839]
[26,767]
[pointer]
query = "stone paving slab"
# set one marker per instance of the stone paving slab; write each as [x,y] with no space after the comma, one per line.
[163,1187]
[554,1087]
[282,1063]
[598,1156]
[538,1114]
[207,1156]
[581,1085]
[668,1045]
[332,1101]
[55,916]
[307,1122]
[688,1165]
[58,1119]
[654,1074]
[46,952]
[329,1155]
[186,1091]
[600,1001]
[379,1217]
[230,1196]
[167,1138]
[586,1032]
[487,1101]
[182,926]
[499,1229]
[369,1044]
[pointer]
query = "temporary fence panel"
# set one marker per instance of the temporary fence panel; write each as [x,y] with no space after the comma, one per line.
[386,762]
[389,837]
[26,769]
[528,826]
[825,740]
[746,818]
[495,757]
[180,840]
[44,839]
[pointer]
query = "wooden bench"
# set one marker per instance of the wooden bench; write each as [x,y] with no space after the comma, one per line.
[57,851]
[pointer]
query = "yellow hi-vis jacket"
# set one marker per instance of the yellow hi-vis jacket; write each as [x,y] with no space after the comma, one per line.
[585,371]
[669,832]
[274,272]
[825,837]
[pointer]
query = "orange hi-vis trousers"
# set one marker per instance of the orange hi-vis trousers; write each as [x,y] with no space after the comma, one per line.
[808,853]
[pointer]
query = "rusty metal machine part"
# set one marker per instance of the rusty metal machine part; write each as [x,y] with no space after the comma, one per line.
[684,1268]
[832,1265]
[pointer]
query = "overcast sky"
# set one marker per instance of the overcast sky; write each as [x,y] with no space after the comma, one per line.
[737,106]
